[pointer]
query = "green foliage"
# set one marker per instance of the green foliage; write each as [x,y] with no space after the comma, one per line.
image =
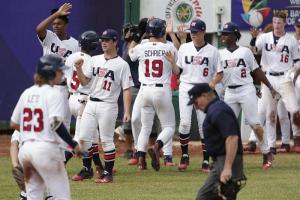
[279,183]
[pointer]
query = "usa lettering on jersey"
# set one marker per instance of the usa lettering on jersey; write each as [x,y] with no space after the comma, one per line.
[63,52]
[196,60]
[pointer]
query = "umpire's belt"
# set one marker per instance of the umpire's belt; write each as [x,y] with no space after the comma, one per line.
[234,86]
[155,85]
[95,99]
[276,73]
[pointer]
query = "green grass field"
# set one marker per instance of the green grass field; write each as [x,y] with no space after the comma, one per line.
[280,183]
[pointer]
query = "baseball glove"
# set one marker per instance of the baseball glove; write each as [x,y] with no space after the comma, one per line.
[229,190]
[19,177]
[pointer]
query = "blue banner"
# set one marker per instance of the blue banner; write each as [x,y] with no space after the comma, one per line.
[20,48]
[258,13]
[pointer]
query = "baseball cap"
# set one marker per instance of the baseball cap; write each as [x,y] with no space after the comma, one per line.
[230,27]
[110,34]
[197,91]
[197,25]
[297,21]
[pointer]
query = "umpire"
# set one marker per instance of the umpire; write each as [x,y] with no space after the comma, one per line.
[223,143]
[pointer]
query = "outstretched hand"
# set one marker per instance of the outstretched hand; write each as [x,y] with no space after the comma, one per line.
[170,57]
[64,9]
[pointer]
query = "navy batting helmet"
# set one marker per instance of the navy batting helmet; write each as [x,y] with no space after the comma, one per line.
[89,40]
[48,65]
[156,27]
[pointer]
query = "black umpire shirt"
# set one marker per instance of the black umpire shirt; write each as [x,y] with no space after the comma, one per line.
[219,123]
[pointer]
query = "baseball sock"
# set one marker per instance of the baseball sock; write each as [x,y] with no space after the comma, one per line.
[87,159]
[68,156]
[205,155]
[184,141]
[96,157]
[109,159]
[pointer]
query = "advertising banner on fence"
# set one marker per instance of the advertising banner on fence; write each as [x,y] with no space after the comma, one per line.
[182,12]
[258,13]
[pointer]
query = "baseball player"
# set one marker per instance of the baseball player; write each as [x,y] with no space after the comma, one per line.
[108,73]
[281,59]
[38,116]
[89,42]
[132,128]
[155,93]
[198,62]
[240,94]
[282,112]
[58,42]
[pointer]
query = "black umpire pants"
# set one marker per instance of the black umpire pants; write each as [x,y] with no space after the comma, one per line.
[209,191]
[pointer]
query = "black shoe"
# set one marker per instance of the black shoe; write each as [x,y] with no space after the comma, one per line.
[205,167]
[286,147]
[83,174]
[267,161]
[184,162]
[168,161]
[251,146]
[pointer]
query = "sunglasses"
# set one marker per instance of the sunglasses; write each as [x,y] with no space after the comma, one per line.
[298,26]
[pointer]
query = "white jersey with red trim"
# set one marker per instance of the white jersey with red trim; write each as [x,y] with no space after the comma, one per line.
[279,57]
[237,66]
[71,73]
[198,66]
[35,110]
[153,66]
[53,45]
[108,77]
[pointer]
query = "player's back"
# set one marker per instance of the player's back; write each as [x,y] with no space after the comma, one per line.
[38,106]
[153,65]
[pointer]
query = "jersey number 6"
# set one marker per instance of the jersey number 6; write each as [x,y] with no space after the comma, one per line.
[156,66]
[27,120]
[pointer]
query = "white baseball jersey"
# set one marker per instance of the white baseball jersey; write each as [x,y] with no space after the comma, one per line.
[237,66]
[108,77]
[53,45]
[279,57]
[34,111]
[71,73]
[153,66]
[198,66]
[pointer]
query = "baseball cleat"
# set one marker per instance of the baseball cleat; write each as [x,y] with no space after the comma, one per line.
[134,159]
[105,178]
[168,161]
[83,174]
[23,196]
[285,147]
[154,154]
[251,147]
[205,167]
[142,164]
[184,162]
[267,161]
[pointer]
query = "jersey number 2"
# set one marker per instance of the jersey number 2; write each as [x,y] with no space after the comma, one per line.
[27,121]
[156,66]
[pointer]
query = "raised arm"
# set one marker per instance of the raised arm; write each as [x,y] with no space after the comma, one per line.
[41,29]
